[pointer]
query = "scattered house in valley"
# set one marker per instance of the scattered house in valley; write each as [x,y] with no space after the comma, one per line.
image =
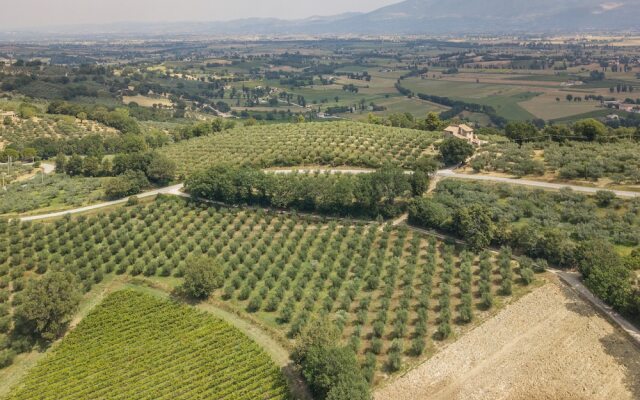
[571,83]
[464,132]
[613,117]
[611,103]
[632,108]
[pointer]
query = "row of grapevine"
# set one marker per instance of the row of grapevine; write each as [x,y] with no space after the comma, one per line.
[138,346]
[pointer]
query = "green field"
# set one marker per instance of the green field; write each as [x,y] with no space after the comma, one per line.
[329,143]
[383,286]
[54,192]
[134,346]
[21,131]
[503,98]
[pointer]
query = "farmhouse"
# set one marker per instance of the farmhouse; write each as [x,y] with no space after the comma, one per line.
[632,108]
[462,131]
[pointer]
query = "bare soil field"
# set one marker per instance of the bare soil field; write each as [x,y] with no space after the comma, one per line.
[146,101]
[548,345]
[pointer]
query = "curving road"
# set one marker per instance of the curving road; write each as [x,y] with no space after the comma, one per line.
[172,190]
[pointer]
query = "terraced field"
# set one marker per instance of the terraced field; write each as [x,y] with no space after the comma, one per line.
[135,346]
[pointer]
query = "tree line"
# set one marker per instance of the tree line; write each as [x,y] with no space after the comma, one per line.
[117,118]
[383,192]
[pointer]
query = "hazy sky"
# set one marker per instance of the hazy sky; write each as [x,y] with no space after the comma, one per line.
[33,13]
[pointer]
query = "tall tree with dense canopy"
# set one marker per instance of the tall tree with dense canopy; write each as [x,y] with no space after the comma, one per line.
[475,225]
[455,151]
[48,305]
[201,277]
[590,129]
[161,169]
[521,131]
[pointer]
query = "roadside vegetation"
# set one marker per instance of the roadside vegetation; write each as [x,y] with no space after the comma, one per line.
[52,192]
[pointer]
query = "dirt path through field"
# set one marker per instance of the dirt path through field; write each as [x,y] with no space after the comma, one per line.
[548,345]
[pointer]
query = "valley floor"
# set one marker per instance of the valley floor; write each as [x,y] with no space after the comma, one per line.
[548,345]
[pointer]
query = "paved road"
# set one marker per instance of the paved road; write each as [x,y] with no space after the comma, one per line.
[173,190]
[448,173]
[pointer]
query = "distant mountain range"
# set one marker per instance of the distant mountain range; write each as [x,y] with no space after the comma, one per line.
[413,17]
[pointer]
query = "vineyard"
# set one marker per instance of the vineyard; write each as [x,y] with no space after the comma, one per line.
[26,130]
[54,191]
[135,346]
[335,144]
[394,293]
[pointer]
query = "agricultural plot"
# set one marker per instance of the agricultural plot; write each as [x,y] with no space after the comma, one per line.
[16,171]
[135,346]
[398,104]
[394,293]
[504,98]
[542,223]
[618,162]
[21,131]
[515,97]
[147,101]
[548,107]
[335,144]
[54,192]
[615,162]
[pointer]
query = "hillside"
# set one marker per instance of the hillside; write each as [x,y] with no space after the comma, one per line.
[324,143]
[409,17]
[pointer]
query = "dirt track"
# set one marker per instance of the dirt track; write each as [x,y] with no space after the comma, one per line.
[548,345]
